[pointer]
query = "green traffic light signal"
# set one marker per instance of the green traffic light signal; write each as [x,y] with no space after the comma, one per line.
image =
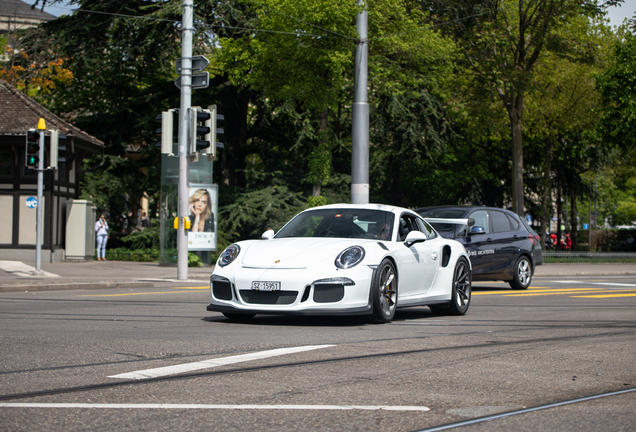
[32,150]
[32,156]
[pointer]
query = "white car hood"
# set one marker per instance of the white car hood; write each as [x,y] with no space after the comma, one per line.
[295,253]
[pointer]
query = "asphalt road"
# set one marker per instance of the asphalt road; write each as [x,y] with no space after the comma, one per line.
[519,360]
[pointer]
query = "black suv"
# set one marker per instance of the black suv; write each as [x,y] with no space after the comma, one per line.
[498,242]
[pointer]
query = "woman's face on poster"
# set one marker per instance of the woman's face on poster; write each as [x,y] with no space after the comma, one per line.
[201,204]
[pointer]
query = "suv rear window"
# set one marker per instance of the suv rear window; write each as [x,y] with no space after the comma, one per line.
[500,222]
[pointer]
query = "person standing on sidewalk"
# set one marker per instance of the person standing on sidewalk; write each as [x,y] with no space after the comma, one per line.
[101,233]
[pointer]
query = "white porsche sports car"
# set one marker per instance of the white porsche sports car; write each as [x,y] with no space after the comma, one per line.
[343,259]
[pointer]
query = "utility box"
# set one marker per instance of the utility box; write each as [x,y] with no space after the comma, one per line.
[80,230]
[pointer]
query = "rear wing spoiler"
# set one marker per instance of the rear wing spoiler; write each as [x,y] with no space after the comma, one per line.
[468,222]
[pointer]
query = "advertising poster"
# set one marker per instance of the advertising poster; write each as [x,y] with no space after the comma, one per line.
[203,206]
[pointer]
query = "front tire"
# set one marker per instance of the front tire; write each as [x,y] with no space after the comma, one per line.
[461,291]
[522,274]
[384,292]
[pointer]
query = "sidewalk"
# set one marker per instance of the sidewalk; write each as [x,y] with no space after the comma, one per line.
[16,276]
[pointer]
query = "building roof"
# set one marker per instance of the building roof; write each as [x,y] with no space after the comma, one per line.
[20,9]
[19,113]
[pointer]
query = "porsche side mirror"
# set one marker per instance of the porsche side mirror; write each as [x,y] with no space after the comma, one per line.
[477,230]
[268,235]
[414,237]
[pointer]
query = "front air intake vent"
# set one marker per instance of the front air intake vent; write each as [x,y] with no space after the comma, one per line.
[328,293]
[268,297]
[222,290]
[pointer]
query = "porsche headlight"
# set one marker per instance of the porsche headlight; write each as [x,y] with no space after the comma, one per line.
[350,257]
[229,254]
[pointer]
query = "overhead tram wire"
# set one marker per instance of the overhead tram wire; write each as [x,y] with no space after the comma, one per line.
[304,22]
[433,26]
[127,16]
[208,25]
[297,34]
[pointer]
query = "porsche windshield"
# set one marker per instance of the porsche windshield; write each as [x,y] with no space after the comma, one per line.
[341,223]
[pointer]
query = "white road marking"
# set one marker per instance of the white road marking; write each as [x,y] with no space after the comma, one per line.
[225,407]
[205,364]
[597,283]
[19,268]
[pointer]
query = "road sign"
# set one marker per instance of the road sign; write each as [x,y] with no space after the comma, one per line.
[198,64]
[31,202]
[586,226]
[199,81]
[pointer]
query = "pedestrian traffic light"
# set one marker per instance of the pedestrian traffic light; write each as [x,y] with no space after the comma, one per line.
[211,137]
[199,127]
[166,131]
[32,149]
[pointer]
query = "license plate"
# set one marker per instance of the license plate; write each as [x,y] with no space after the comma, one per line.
[266,286]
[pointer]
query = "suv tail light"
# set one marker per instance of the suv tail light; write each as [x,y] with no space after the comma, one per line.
[531,237]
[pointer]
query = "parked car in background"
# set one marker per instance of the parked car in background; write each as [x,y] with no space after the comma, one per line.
[500,244]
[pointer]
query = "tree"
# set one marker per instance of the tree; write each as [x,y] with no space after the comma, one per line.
[617,86]
[315,41]
[34,72]
[560,121]
[618,92]
[122,76]
[502,41]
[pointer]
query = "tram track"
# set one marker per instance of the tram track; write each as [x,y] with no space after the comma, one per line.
[242,370]
[505,414]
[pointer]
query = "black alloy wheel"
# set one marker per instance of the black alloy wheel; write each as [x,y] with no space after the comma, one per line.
[460,293]
[384,292]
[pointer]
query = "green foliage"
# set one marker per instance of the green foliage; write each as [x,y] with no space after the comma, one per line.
[438,132]
[114,188]
[194,260]
[317,60]
[411,165]
[320,166]
[128,62]
[618,90]
[316,201]
[145,255]
[147,238]
[252,213]
[125,254]
[625,213]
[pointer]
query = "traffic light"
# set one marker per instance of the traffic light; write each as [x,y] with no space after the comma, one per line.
[199,126]
[166,131]
[53,148]
[210,152]
[32,149]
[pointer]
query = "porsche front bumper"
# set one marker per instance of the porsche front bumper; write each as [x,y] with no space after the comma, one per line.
[302,291]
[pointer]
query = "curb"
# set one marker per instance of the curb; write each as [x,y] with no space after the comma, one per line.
[570,273]
[74,286]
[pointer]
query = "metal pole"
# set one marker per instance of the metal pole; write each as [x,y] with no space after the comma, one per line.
[38,220]
[595,215]
[360,115]
[184,165]
[589,232]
